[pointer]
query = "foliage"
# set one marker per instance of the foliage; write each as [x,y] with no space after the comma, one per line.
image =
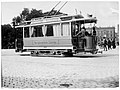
[8,36]
[34,14]
[26,15]
[25,12]
[8,33]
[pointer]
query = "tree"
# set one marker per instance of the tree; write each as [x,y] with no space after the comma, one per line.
[34,14]
[8,36]
[24,13]
[17,20]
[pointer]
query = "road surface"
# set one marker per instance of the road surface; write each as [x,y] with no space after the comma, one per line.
[78,67]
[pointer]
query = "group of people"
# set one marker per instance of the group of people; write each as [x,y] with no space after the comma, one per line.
[83,32]
[108,44]
[81,35]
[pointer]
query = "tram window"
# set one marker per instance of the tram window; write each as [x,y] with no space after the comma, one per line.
[56,30]
[75,27]
[33,31]
[65,29]
[49,30]
[38,31]
[26,32]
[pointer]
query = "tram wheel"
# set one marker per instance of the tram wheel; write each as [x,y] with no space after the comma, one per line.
[66,54]
[32,52]
[37,53]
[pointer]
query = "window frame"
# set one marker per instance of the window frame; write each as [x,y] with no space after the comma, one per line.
[69,29]
[24,36]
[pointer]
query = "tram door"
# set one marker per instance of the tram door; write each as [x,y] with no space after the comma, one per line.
[19,39]
[76,27]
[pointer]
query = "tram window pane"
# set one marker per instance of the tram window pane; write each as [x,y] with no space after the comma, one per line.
[49,30]
[65,29]
[56,30]
[33,32]
[75,27]
[38,31]
[26,32]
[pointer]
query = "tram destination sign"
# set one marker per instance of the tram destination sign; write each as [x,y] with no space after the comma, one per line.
[44,42]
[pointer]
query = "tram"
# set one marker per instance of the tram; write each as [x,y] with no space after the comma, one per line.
[57,34]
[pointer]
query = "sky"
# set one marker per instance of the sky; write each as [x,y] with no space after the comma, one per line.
[106,12]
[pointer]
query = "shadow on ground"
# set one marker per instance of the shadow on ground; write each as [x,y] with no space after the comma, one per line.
[74,56]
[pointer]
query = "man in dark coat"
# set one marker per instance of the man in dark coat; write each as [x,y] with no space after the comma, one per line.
[113,44]
[83,32]
[94,31]
[105,45]
[109,44]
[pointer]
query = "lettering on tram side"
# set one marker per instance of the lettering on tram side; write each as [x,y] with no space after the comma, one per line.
[45,20]
[44,42]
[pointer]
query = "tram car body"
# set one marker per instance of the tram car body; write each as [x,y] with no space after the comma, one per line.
[55,34]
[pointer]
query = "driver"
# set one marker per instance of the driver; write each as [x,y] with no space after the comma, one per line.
[83,32]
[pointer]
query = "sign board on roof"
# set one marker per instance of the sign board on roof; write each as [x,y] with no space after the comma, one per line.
[44,20]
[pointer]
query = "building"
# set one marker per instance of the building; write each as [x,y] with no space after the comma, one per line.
[108,32]
[117,35]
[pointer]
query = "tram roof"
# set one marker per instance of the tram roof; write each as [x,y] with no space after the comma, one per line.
[57,19]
